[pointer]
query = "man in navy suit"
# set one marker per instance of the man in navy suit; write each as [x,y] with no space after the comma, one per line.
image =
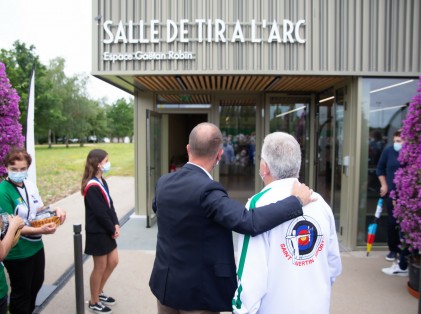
[194,269]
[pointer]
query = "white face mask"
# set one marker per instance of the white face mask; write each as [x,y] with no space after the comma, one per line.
[106,167]
[397,146]
[17,177]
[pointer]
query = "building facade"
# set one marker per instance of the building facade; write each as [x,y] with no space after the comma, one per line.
[338,75]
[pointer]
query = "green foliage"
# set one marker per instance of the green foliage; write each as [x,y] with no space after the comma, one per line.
[60,169]
[120,119]
[62,107]
[19,61]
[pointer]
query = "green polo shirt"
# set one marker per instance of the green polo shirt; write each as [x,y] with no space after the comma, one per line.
[9,200]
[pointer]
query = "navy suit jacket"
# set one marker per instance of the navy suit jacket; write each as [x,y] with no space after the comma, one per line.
[194,267]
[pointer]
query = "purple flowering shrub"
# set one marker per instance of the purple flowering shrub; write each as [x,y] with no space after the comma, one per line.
[10,128]
[408,178]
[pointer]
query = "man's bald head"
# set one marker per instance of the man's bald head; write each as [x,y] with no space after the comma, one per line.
[205,140]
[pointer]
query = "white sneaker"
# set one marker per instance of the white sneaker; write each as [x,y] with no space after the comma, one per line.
[395,270]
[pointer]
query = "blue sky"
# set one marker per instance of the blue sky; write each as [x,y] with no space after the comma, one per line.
[57,29]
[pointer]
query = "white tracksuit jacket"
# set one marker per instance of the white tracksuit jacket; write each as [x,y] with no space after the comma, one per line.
[291,268]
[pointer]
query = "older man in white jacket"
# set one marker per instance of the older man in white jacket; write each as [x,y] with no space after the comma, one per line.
[291,268]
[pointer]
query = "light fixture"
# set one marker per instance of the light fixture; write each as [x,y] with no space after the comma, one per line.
[272,83]
[388,108]
[290,111]
[390,86]
[180,81]
[326,99]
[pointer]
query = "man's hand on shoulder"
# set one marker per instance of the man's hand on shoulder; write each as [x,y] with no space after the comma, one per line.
[303,193]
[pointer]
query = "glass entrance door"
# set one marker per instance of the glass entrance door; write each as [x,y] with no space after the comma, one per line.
[237,121]
[290,114]
[153,146]
[331,163]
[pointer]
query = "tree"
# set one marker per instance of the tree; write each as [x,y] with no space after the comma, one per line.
[10,128]
[19,62]
[120,117]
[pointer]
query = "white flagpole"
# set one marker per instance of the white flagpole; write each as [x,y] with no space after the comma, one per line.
[30,134]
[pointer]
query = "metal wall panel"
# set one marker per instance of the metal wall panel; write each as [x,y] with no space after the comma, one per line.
[343,37]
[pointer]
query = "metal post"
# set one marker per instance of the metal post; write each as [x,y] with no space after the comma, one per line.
[419,285]
[77,239]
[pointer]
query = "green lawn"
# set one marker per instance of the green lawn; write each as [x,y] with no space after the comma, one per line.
[60,169]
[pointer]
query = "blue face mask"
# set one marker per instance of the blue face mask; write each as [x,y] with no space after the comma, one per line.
[17,177]
[397,146]
[106,167]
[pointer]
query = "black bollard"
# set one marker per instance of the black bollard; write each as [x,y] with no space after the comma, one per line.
[77,239]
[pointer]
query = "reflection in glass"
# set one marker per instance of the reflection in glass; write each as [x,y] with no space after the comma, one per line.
[384,106]
[289,114]
[237,165]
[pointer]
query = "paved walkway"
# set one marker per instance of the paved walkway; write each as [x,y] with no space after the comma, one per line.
[362,287]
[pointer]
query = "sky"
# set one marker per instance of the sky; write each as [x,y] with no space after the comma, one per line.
[57,29]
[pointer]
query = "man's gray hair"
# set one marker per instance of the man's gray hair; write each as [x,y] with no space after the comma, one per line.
[282,153]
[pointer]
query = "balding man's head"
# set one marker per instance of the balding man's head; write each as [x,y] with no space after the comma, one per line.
[205,140]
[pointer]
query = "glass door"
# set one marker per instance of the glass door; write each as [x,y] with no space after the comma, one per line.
[290,114]
[331,164]
[237,121]
[153,153]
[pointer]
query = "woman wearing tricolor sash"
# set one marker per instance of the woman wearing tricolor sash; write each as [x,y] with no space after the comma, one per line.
[102,228]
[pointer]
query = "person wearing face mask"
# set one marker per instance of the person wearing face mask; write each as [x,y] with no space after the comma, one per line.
[25,262]
[386,168]
[102,228]
[194,268]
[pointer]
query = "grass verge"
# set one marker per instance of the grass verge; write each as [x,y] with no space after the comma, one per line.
[60,169]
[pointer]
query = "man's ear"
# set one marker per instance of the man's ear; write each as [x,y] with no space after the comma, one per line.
[265,168]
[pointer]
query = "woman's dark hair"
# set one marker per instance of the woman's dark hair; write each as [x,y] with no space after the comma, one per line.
[94,158]
[17,154]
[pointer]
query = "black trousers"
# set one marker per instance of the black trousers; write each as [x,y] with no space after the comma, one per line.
[26,279]
[393,234]
[3,305]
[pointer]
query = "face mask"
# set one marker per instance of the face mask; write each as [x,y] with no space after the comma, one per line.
[17,177]
[262,176]
[106,167]
[397,146]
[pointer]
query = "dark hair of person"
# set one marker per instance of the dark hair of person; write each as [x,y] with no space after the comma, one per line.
[397,133]
[17,154]
[205,140]
[94,158]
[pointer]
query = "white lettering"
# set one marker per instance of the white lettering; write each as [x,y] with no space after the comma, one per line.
[120,34]
[238,33]
[142,38]
[253,33]
[297,31]
[172,31]
[184,31]
[200,23]
[288,28]
[108,32]
[209,30]
[155,31]
[219,31]
[274,33]
[131,39]
[209,26]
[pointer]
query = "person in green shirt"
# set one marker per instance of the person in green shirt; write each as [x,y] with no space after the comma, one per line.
[25,262]
[14,224]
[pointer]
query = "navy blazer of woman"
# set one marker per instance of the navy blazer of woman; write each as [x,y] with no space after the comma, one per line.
[194,267]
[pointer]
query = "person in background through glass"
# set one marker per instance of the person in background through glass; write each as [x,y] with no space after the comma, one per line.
[386,168]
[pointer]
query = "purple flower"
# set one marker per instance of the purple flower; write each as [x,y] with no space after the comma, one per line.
[10,128]
[408,178]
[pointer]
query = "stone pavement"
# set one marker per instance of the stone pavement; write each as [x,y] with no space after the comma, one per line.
[362,287]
